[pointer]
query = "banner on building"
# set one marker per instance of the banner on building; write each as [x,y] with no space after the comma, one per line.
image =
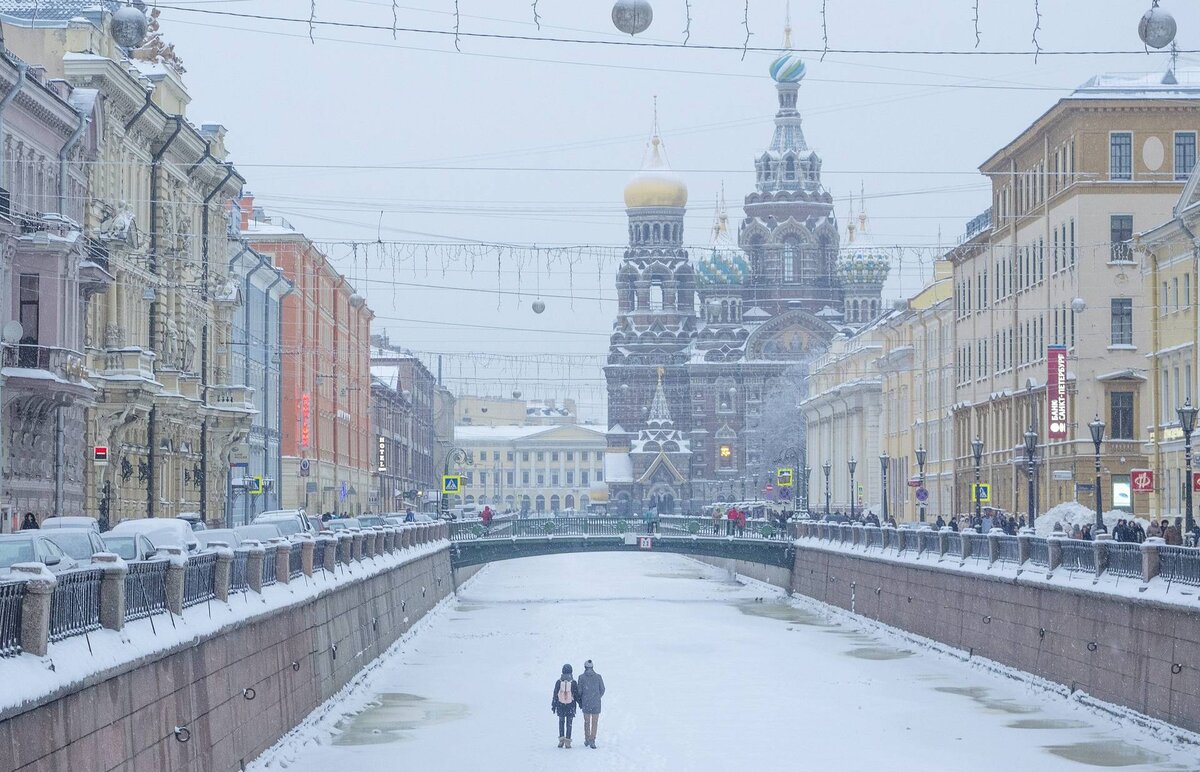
[1142,480]
[1056,391]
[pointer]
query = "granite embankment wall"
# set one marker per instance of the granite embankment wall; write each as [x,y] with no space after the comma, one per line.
[189,708]
[1136,652]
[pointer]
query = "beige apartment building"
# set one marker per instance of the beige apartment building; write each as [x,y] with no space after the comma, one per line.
[917,345]
[534,469]
[1168,257]
[1056,265]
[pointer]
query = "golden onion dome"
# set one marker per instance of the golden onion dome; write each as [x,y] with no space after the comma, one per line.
[656,185]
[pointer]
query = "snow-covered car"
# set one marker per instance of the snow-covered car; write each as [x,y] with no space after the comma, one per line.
[162,531]
[193,519]
[290,521]
[71,521]
[130,546]
[79,543]
[227,535]
[342,523]
[262,532]
[370,520]
[33,547]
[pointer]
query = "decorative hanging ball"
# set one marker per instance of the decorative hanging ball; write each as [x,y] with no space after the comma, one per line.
[1157,27]
[632,16]
[516,395]
[538,306]
[129,27]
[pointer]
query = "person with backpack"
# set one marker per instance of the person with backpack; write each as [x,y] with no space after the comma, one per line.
[591,689]
[563,701]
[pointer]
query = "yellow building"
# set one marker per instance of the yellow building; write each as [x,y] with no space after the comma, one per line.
[1168,256]
[917,389]
[1055,266]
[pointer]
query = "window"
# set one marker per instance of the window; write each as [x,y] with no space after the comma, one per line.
[789,261]
[1120,156]
[483,478]
[656,296]
[599,475]
[495,455]
[1122,321]
[541,479]
[1121,404]
[554,456]
[583,477]
[541,456]
[525,477]
[29,315]
[725,456]
[525,456]
[508,479]
[1185,153]
[1120,230]
[570,478]
[509,455]
[570,455]
[554,479]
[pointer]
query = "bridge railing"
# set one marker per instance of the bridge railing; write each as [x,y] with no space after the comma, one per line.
[110,593]
[664,526]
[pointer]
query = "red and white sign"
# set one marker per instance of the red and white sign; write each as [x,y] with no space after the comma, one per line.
[914,482]
[1142,480]
[1056,391]
[304,422]
[100,454]
[645,543]
[1195,482]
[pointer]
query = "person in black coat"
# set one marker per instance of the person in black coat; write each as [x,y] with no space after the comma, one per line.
[29,523]
[563,702]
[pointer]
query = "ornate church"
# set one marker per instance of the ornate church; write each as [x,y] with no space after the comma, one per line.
[696,347]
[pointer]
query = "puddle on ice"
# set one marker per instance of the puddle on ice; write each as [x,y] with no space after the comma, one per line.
[878,653]
[467,607]
[980,695]
[1106,753]
[393,716]
[1047,723]
[784,612]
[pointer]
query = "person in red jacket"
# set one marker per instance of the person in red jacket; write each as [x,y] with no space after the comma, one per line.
[730,521]
[486,517]
[741,522]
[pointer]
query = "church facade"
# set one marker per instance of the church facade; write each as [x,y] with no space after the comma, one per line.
[707,359]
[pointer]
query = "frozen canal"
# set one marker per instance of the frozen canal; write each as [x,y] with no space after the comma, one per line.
[700,676]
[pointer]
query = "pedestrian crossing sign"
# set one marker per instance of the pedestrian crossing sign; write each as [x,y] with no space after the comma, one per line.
[981,492]
[451,483]
[783,478]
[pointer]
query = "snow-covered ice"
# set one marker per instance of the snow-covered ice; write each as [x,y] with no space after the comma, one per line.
[701,675]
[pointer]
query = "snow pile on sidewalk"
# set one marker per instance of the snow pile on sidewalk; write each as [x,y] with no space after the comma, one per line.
[1072,513]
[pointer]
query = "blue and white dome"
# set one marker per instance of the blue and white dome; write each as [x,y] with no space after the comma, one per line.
[788,68]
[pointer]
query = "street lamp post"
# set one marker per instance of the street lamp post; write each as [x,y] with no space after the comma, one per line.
[1097,428]
[851,464]
[825,467]
[921,468]
[977,449]
[807,500]
[1031,441]
[1187,422]
[883,466]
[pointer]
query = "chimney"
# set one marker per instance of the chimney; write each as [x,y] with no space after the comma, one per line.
[246,205]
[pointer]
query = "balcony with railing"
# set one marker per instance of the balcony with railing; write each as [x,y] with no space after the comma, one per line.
[123,364]
[233,397]
[45,369]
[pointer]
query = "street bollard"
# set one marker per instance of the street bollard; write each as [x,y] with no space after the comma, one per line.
[112,590]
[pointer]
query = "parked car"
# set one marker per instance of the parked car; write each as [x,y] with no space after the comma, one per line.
[418,517]
[258,532]
[71,521]
[79,543]
[283,516]
[33,547]
[193,519]
[371,520]
[227,535]
[130,546]
[343,523]
[162,531]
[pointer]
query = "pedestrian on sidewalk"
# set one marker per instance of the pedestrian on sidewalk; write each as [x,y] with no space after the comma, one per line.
[591,689]
[29,523]
[563,702]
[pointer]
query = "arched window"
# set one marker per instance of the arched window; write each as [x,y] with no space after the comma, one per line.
[469,500]
[584,502]
[525,504]
[539,503]
[789,169]
[569,502]
[510,502]
[789,261]
[554,503]
[656,295]
[646,232]
[657,232]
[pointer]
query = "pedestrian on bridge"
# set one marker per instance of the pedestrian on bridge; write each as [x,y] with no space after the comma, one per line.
[591,689]
[563,702]
[716,521]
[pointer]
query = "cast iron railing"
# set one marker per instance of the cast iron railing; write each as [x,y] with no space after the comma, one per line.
[75,603]
[199,579]
[145,589]
[12,596]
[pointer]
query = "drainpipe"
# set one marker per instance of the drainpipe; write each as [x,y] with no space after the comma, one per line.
[154,204]
[267,370]
[22,71]
[1192,300]
[141,110]
[204,218]
[262,263]
[64,156]
[279,403]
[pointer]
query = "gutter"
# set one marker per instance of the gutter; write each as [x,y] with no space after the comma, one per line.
[64,156]
[266,349]
[141,111]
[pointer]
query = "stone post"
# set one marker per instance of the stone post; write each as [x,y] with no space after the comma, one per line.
[223,570]
[176,568]
[283,558]
[1024,545]
[966,543]
[1151,559]
[356,549]
[369,539]
[35,606]
[994,537]
[306,556]
[1054,548]
[944,536]
[345,547]
[389,539]
[888,537]
[330,555]
[254,566]
[112,590]
[1100,547]
[405,537]
[856,534]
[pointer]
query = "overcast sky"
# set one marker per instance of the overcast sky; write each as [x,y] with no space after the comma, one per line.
[535,141]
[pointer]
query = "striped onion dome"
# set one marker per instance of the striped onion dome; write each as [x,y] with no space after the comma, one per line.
[788,68]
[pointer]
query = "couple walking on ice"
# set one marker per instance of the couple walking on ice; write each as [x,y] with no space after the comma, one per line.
[583,694]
